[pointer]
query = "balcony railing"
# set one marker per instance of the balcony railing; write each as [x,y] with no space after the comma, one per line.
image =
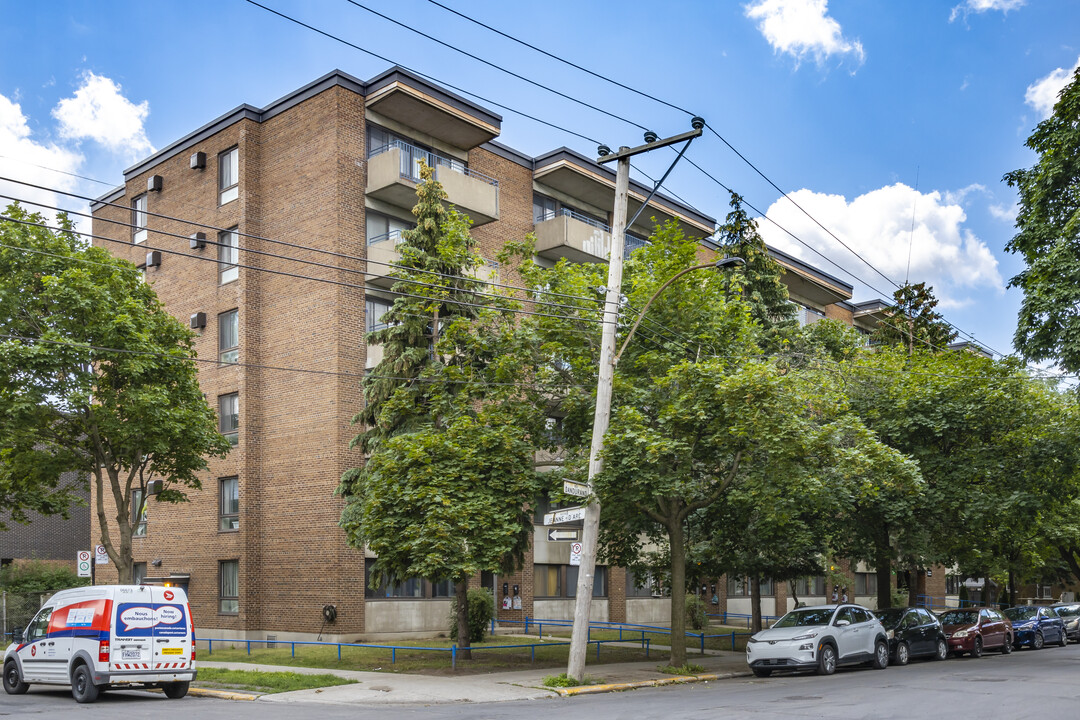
[632,242]
[411,156]
[394,235]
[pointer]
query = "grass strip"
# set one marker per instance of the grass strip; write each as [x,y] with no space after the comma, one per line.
[264,682]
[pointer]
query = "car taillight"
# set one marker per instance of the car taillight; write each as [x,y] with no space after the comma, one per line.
[103,651]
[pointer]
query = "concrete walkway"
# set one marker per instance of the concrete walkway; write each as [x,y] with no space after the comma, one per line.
[376,688]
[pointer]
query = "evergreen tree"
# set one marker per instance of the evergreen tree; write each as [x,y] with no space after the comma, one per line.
[913,323]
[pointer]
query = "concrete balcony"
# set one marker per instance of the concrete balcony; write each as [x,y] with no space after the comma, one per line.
[577,238]
[382,254]
[394,173]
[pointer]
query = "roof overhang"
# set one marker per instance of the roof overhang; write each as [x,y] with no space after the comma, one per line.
[577,176]
[808,282]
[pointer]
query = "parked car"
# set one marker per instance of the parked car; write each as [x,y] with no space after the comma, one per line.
[972,630]
[106,636]
[913,632]
[1036,625]
[1070,615]
[819,638]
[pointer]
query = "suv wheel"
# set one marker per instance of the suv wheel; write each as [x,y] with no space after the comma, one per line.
[1038,641]
[83,688]
[13,683]
[826,660]
[881,655]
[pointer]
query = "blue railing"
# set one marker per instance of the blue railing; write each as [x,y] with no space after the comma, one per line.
[623,628]
[411,156]
[930,602]
[453,650]
[725,617]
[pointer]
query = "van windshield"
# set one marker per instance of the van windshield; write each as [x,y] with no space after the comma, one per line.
[802,618]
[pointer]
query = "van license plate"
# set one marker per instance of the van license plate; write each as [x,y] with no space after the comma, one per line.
[131,654]
[172,651]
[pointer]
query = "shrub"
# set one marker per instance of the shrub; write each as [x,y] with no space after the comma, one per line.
[38,578]
[695,613]
[687,669]
[560,680]
[481,611]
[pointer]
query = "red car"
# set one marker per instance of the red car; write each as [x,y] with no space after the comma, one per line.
[972,630]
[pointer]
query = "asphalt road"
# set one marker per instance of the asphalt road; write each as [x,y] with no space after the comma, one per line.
[1026,684]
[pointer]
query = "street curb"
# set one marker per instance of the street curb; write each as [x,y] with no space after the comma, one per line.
[616,687]
[222,694]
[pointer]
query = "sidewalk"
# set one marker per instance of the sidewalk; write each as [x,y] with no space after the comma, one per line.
[376,688]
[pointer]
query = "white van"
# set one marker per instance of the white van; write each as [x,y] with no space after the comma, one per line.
[106,636]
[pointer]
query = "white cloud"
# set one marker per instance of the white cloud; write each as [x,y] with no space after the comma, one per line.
[100,112]
[980,6]
[26,159]
[878,226]
[1005,213]
[1043,93]
[801,28]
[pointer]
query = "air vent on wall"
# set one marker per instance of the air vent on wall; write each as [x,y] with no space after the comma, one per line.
[153,259]
[154,183]
[198,161]
[198,321]
[198,241]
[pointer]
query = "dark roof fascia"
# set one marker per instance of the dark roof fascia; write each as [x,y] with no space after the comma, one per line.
[400,74]
[876,305]
[565,153]
[508,153]
[111,196]
[809,269]
[847,305]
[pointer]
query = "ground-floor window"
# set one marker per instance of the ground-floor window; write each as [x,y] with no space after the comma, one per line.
[740,587]
[229,600]
[385,587]
[560,581]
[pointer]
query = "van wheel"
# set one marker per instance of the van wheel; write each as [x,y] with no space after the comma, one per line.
[175,690]
[13,683]
[83,688]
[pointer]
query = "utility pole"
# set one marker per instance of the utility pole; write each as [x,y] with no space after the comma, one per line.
[601,417]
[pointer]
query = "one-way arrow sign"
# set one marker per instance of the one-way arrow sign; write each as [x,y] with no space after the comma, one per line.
[564,535]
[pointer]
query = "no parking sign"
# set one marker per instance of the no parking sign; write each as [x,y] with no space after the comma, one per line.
[82,560]
[575,553]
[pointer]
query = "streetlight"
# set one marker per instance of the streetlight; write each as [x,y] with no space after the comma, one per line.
[720,264]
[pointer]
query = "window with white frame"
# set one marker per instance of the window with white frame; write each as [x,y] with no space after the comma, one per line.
[385,228]
[229,515]
[228,256]
[138,513]
[229,175]
[229,416]
[138,219]
[229,598]
[866,584]
[229,336]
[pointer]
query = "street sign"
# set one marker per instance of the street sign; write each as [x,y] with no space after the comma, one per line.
[101,555]
[575,553]
[82,559]
[563,516]
[575,489]
[564,535]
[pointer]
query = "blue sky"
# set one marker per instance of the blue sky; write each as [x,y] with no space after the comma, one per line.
[844,104]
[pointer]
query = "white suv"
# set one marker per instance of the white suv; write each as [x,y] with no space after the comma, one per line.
[819,638]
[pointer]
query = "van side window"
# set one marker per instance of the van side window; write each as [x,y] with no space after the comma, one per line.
[39,626]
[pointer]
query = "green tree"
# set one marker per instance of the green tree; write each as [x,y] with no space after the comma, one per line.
[97,379]
[447,430]
[1048,237]
[760,279]
[913,323]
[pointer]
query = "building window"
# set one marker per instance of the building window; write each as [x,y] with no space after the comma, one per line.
[644,585]
[375,308]
[229,175]
[229,601]
[814,586]
[384,228]
[953,584]
[138,573]
[807,315]
[560,581]
[229,416]
[229,518]
[229,336]
[228,256]
[543,208]
[740,587]
[599,588]
[139,513]
[866,583]
[138,219]
[442,589]
[547,581]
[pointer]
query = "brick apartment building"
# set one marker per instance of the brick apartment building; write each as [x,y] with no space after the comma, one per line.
[332,169]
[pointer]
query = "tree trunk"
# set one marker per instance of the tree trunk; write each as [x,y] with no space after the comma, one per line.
[461,593]
[883,570]
[793,585]
[1012,588]
[678,594]
[755,603]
